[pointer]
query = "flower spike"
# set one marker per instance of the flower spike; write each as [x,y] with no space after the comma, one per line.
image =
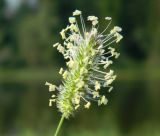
[89,55]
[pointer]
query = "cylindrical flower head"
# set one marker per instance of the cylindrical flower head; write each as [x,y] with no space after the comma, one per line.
[89,56]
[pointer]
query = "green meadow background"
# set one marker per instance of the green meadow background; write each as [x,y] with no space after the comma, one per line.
[29,28]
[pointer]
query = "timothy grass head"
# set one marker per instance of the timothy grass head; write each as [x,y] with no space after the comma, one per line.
[89,54]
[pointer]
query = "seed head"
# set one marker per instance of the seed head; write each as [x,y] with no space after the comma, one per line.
[89,55]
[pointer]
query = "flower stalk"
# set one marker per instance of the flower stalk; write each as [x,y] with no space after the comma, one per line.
[59,125]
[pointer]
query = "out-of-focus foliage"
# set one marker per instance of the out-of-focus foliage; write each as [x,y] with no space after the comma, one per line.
[28,29]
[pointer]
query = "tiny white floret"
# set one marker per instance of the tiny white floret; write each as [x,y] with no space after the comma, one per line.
[87,105]
[72,20]
[97,85]
[51,86]
[108,18]
[77,12]
[61,71]
[63,34]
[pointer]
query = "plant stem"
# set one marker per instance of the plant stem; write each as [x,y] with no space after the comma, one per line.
[59,125]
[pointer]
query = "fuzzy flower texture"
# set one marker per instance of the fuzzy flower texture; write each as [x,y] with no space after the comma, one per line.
[89,55]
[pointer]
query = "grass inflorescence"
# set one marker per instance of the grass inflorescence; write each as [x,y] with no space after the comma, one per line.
[89,55]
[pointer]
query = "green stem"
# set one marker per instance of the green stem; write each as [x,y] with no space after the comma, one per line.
[59,125]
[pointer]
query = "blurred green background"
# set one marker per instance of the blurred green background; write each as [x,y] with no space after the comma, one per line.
[28,29]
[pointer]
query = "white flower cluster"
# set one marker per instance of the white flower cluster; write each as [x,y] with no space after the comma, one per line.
[89,55]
